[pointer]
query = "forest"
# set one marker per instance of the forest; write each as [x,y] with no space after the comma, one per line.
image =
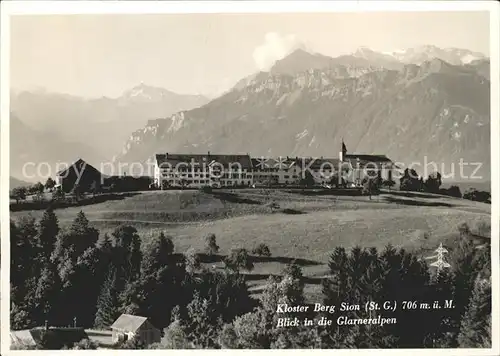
[77,275]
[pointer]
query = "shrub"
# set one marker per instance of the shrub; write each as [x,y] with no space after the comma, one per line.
[454,191]
[273,206]
[58,195]
[464,229]
[206,189]
[18,193]
[192,260]
[388,183]
[261,250]
[370,186]
[211,244]
[239,259]
[85,344]
[292,211]
[476,195]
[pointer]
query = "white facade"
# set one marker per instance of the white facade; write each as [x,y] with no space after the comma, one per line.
[264,172]
[212,174]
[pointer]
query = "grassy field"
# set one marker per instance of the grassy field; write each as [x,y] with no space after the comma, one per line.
[306,227]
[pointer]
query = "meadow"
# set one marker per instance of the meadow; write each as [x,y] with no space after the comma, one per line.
[299,226]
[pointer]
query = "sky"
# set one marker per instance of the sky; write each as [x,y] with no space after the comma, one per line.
[104,55]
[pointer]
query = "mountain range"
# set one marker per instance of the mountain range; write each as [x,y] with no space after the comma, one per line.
[421,102]
[307,103]
[103,122]
[49,127]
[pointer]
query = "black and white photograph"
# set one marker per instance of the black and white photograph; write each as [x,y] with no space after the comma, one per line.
[251,178]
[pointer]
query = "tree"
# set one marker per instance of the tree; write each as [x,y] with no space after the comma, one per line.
[410,181]
[337,181]
[127,253]
[293,284]
[370,186]
[48,229]
[228,339]
[364,275]
[462,259]
[47,294]
[389,183]
[38,188]
[85,344]
[192,261]
[433,182]
[25,267]
[239,259]
[77,259]
[475,195]
[454,191]
[19,193]
[50,184]
[157,254]
[258,329]
[107,302]
[134,343]
[262,250]
[307,180]
[58,194]
[161,272]
[175,337]
[254,330]
[211,245]
[474,326]
[200,326]
[464,230]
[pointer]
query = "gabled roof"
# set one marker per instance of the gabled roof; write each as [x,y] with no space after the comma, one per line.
[264,163]
[319,163]
[129,323]
[32,337]
[368,158]
[22,337]
[79,165]
[173,159]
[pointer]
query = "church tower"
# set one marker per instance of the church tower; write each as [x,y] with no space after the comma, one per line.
[343,153]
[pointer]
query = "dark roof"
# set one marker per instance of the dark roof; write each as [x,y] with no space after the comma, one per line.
[264,163]
[174,159]
[127,322]
[368,158]
[61,335]
[320,162]
[79,165]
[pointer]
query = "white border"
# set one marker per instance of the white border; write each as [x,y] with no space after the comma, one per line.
[9,8]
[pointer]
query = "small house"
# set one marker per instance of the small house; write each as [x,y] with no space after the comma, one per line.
[79,173]
[128,327]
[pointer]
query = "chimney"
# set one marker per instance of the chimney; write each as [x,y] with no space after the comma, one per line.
[46,325]
[208,153]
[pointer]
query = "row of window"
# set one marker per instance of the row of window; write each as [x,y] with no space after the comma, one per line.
[207,181]
[199,170]
[194,176]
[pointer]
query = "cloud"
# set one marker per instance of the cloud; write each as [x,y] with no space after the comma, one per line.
[275,47]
